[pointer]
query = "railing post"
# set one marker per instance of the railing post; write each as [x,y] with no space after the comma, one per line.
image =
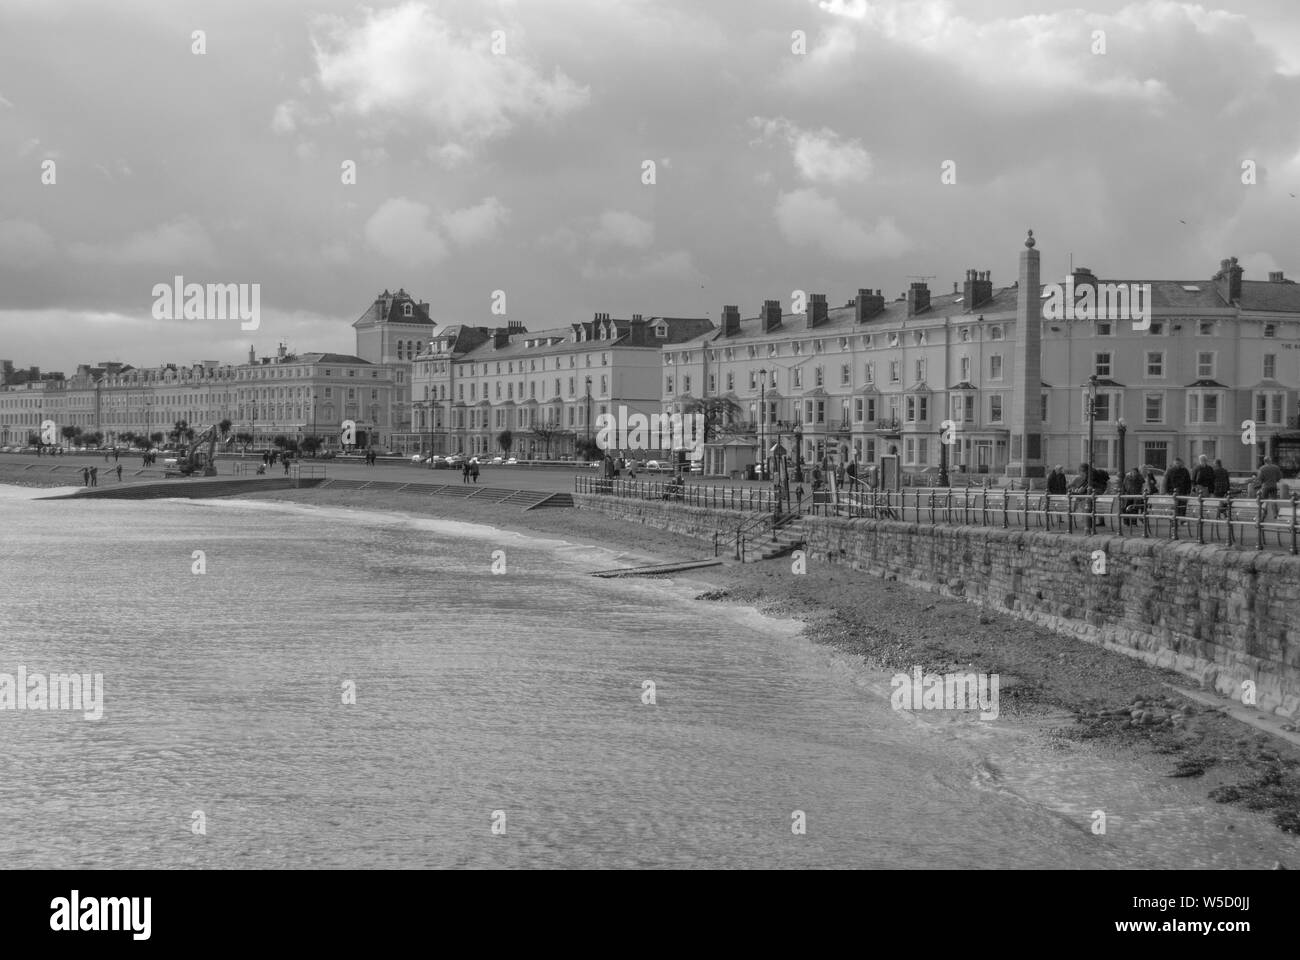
[1294,501]
[1069,512]
[1259,521]
[1005,496]
[1200,519]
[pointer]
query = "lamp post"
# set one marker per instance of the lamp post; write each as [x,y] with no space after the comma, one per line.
[798,446]
[943,461]
[762,416]
[313,415]
[1122,427]
[589,416]
[1092,417]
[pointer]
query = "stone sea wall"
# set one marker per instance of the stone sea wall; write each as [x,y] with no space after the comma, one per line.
[1219,616]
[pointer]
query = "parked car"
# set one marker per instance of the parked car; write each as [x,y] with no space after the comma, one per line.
[417,458]
[512,462]
[455,460]
[497,461]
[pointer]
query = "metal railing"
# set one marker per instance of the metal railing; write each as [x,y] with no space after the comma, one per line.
[711,496]
[1236,521]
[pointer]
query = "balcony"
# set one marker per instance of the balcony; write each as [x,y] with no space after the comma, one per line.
[889,425]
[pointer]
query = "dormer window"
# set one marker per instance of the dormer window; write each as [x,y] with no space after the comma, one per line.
[661,331]
[406,309]
[893,339]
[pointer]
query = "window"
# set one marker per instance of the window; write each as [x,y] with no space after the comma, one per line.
[796,378]
[846,374]
[1155,364]
[995,333]
[406,309]
[1154,404]
[995,367]
[965,369]
[1203,407]
[1205,365]
[893,339]
[731,381]
[1103,328]
[1270,330]
[995,409]
[821,411]
[1042,412]
[869,372]
[819,376]
[661,331]
[1205,328]
[920,371]
[965,334]
[753,380]
[713,383]
[686,384]
[668,384]
[1102,364]
[1268,408]
[771,350]
[893,371]
[798,348]
[1270,366]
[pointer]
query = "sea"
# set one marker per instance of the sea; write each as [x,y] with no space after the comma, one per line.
[287,685]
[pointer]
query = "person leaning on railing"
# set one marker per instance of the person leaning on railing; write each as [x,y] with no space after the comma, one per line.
[1269,476]
[1132,487]
[1178,484]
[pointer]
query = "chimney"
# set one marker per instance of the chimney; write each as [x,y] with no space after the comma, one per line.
[771,315]
[1083,278]
[816,310]
[252,357]
[730,321]
[955,291]
[978,288]
[1228,280]
[515,326]
[918,298]
[1275,276]
[869,303]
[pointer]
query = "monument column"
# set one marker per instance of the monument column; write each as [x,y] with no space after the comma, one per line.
[1025,456]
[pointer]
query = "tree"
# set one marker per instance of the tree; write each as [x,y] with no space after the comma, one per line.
[506,439]
[280,440]
[33,439]
[245,438]
[546,432]
[224,428]
[128,437]
[177,431]
[93,439]
[157,437]
[310,445]
[718,413]
[70,433]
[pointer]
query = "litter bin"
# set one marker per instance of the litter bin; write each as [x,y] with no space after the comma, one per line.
[749,471]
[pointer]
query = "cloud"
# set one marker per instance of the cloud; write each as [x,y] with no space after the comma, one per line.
[24,245]
[619,228]
[476,224]
[406,64]
[808,219]
[180,241]
[820,156]
[400,230]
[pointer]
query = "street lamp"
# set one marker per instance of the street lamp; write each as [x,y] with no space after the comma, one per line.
[1092,417]
[943,460]
[798,445]
[1123,429]
[589,416]
[762,415]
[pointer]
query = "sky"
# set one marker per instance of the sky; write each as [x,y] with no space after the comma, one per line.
[505,145]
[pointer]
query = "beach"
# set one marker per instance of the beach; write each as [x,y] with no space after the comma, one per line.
[1078,697]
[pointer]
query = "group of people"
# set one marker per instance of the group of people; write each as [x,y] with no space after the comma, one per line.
[148,458]
[469,469]
[371,457]
[1207,480]
[90,475]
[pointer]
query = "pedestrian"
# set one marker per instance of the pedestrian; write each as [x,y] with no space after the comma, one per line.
[94,476]
[464,472]
[1152,484]
[1056,481]
[115,454]
[474,471]
[1269,476]
[1178,483]
[119,473]
[85,476]
[285,461]
[1203,478]
[1222,482]
[1131,488]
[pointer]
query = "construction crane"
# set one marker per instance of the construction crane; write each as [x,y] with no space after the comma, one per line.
[194,459]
